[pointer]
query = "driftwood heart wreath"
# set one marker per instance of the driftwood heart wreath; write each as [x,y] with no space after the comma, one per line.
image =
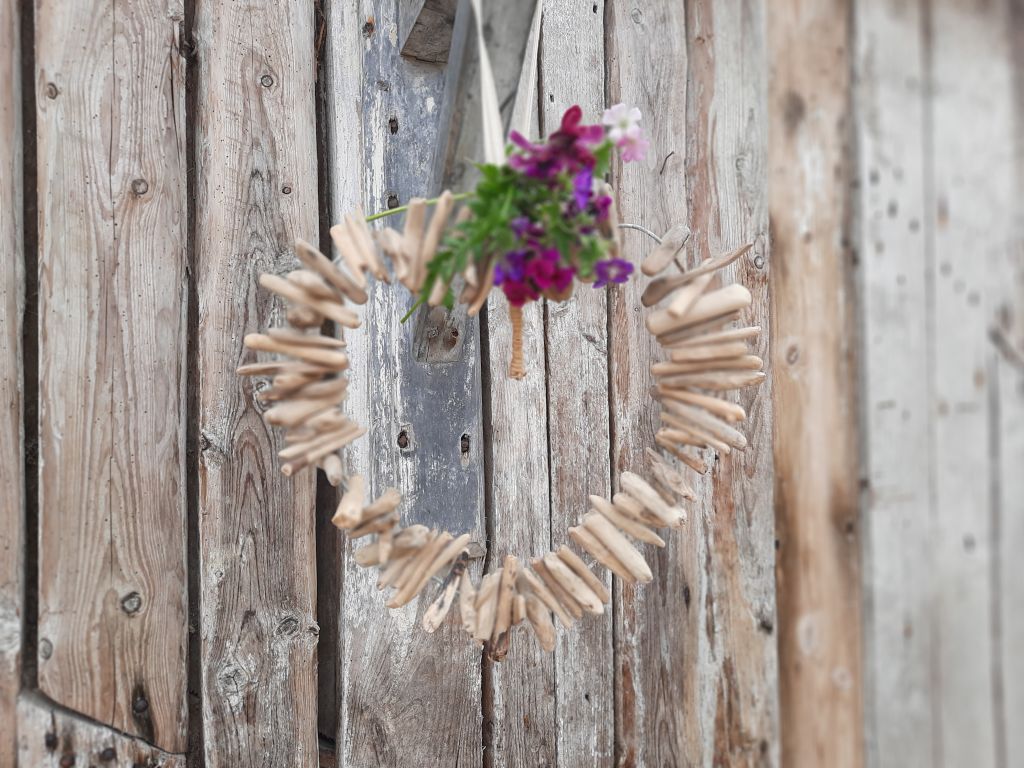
[534,226]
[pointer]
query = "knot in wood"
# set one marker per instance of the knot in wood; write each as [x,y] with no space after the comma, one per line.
[266,81]
[131,603]
[140,187]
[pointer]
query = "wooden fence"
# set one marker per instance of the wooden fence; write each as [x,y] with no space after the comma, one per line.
[847,591]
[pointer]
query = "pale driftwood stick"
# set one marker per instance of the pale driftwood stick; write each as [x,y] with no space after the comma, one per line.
[726,336]
[437,292]
[439,608]
[623,522]
[385,543]
[288,336]
[618,545]
[324,267]
[314,285]
[396,568]
[328,358]
[666,250]
[451,550]
[741,363]
[331,310]
[393,246]
[497,648]
[518,609]
[435,230]
[377,525]
[295,450]
[467,603]
[421,559]
[573,584]
[413,537]
[678,338]
[359,230]
[685,298]
[303,317]
[695,463]
[580,568]
[708,352]
[351,505]
[333,469]
[296,387]
[484,290]
[663,286]
[314,455]
[382,505]
[294,412]
[705,438]
[716,405]
[629,507]
[280,366]
[486,606]
[600,552]
[669,475]
[561,594]
[733,297]
[528,582]
[716,381]
[640,490]
[350,254]
[707,421]
[369,555]
[540,619]
[412,237]
[287,384]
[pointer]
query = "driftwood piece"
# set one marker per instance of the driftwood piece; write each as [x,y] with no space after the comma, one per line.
[498,646]
[686,297]
[600,552]
[452,548]
[696,463]
[290,336]
[716,405]
[663,253]
[663,286]
[377,525]
[350,253]
[710,305]
[351,505]
[717,381]
[382,505]
[439,608]
[292,413]
[313,455]
[272,367]
[640,490]
[486,606]
[385,543]
[706,352]
[562,595]
[720,337]
[580,569]
[706,421]
[359,231]
[698,434]
[540,620]
[332,310]
[317,262]
[626,523]
[333,469]
[315,286]
[668,475]
[419,563]
[618,545]
[412,239]
[573,584]
[634,510]
[529,582]
[467,602]
[326,358]
[739,363]
[683,334]
[303,317]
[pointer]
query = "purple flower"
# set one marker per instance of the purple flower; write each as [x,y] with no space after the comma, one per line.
[600,207]
[582,184]
[612,271]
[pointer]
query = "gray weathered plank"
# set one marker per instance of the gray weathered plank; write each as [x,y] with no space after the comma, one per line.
[52,737]
[256,184]
[896,413]
[111,170]
[12,305]
[815,393]
[696,664]
[397,683]
[572,72]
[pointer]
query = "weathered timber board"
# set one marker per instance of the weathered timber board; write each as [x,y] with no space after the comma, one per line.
[52,737]
[12,305]
[256,183]
[896,413]
[406,697]
[696,664]
[817,490]
[572,71]
[111,148]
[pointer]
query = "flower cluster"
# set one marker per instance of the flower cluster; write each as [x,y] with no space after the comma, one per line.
[542,221]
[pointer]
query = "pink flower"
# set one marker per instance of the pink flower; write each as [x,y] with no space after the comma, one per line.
[622,121]
[633,147]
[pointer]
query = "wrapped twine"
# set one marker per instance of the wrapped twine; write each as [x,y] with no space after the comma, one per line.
[516,368]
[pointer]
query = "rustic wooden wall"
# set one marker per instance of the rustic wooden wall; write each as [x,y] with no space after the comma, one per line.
[186,604]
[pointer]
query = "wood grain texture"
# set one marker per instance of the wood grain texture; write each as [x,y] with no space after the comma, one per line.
[398,683]
[256,182]
[696,664]
[816,451]
[896,414]
[572,72]
[112,593]
[51,737]
[12,307]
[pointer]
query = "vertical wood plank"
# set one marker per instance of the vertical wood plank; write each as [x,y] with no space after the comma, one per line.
[572,71]
[50,737]
[969,223]
[816,417]
[112,625]
[256,182]
[12,307]
[900,677]
[696,664]
[386,122]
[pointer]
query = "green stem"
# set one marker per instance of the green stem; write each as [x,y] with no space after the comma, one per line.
[404,208]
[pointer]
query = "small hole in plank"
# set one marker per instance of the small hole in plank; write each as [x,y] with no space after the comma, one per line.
[403,439]
[464,444]
[393,125]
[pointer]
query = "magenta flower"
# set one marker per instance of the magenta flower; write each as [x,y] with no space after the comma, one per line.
[567,149]
[612,271]
[599,207]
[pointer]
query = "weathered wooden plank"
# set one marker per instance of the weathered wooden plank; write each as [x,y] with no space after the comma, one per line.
[256,184]
[819,599]
[896,414]
[696,661]
[968,223]
[407,697]
[12,307]
[572,72]
[112,593]
[52,737]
